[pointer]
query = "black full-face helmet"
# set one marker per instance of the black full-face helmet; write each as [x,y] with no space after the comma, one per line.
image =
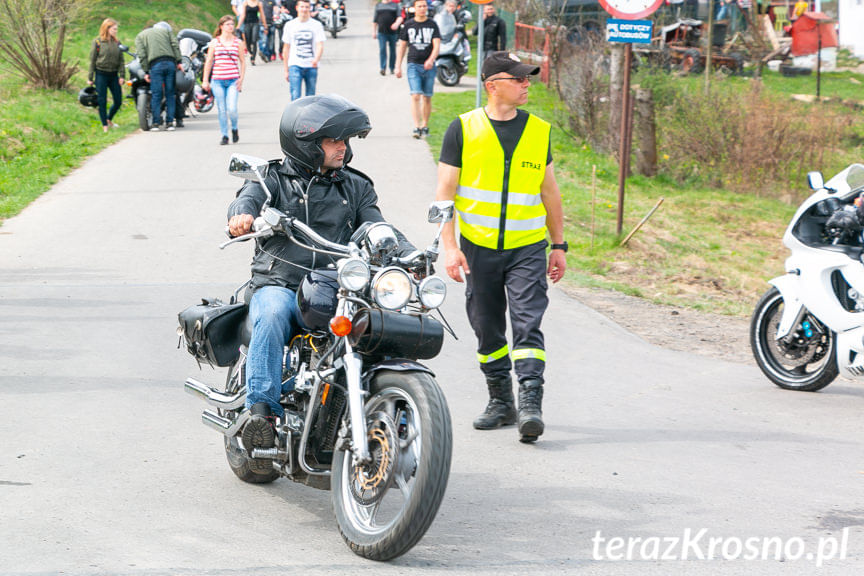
[306,121]
[88,97]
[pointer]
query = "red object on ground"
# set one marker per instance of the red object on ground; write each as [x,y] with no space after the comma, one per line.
[806,31]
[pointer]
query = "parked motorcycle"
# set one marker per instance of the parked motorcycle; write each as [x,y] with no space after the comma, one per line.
[193,48]
[331,13]
[363,417]
[454,55]
[809,327]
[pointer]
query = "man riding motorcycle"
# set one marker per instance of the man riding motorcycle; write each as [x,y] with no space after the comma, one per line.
[314,184]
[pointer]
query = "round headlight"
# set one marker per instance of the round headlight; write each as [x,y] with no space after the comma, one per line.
[391,288]
[432,292]
[353,274]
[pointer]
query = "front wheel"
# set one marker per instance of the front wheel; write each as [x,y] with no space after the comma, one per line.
[144,114]
[448,75]
[805,360]
[385,506]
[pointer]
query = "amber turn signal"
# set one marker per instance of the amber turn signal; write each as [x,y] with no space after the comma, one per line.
[340,325]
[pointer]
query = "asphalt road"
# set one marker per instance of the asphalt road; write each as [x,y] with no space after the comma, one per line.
[106,469]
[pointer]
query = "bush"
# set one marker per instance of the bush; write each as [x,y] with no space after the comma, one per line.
[32,35]
[746,142]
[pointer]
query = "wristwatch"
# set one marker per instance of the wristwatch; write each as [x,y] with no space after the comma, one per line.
[563,246]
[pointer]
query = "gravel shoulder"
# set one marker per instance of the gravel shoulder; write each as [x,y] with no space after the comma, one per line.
[714,335]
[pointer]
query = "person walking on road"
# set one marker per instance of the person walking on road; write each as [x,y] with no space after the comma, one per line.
[226,59]
[496,163]
[302,48]
[494,31]
[250,20]
[107,71]
[159,55]
[385,27]
[421,38]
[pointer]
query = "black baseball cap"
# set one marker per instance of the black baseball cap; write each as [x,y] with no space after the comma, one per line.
[503,61]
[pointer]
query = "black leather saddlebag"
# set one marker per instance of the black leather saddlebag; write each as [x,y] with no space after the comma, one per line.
[213,331]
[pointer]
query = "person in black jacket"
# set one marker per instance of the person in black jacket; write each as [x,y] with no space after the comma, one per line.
[494,31]
[314,184]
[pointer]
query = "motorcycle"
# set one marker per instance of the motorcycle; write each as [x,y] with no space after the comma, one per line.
[809,326]
[193,49]
[363,417]
[331,13]
[454,55]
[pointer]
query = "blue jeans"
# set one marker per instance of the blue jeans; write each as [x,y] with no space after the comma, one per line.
[225,94]
[385,40]
[421,81]
[275,319]
[298,74]
[162,73]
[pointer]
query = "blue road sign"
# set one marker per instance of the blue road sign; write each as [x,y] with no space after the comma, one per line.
[629,31]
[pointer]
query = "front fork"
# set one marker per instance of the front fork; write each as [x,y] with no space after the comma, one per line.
[353,365]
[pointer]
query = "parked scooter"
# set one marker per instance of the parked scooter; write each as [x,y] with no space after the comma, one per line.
[331,13]
[454,55]
[809,327]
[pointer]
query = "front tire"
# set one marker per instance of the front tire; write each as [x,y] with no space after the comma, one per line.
[144,113]
[448,75]
[238,458]
[805,363]
[385,507]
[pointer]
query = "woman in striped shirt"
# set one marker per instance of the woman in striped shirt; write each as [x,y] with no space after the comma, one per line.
[226,59]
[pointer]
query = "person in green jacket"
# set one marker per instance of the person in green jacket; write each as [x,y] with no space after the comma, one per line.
[159,55]
[107,71]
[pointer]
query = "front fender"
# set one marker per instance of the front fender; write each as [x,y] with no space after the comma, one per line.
[398,365]
[787,285]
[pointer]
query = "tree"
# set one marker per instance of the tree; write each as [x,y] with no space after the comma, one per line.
[32,34]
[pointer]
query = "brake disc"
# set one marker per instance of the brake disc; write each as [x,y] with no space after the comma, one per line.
[370,481]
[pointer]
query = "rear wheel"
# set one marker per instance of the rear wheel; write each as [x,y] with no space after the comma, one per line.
[385,506]
[238,458]
[805,360]
[145,117]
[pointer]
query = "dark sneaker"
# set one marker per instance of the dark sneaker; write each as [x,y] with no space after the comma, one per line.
[224,141]
[417,133]
[382,72]
[169,127]
[179,123]
[424,131]
[154,128]
[235,136]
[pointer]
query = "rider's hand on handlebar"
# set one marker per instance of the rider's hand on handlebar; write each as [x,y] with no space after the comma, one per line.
[240,224]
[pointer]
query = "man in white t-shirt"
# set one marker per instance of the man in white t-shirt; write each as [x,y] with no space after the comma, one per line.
[302,47]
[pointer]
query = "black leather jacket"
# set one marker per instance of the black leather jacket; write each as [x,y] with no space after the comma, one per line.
[334,206]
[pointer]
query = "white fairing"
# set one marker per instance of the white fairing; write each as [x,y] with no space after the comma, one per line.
[808,281]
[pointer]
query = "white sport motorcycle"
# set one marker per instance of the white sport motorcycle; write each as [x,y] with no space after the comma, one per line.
[810,326]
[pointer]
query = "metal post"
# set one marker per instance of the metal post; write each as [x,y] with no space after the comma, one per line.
[710,45]
[819,60]
[623,148]
[479,52]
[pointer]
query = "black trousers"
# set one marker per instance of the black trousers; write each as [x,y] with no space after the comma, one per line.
[105,81]
[498,279]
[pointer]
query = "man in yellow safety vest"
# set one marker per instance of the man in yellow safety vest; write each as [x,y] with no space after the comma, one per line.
[496,164]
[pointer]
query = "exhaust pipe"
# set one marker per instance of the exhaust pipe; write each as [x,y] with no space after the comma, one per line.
[224,425]
[214,397]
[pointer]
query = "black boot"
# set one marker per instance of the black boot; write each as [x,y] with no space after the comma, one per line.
[530,413]
[501,410]
[259,432]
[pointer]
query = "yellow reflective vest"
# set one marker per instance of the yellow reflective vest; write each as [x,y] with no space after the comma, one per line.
[498,202]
